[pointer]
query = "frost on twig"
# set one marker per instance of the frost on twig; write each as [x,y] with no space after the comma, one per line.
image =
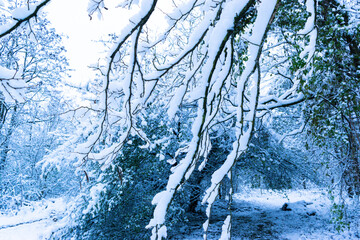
[95,7]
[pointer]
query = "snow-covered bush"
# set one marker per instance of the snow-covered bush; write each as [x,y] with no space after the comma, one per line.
[270,165]
[115,202]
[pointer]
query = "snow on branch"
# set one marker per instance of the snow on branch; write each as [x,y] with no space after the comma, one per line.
[12,83]
[292,96]
[218,45]
[12,86]
[245,121]
[95,6]
[21,16]
[129,84]
[199,68]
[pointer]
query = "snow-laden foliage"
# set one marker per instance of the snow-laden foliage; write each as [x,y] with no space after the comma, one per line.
[32,65]
[334,104]
[216,69]
[206,60]
[114,202]
[206,64]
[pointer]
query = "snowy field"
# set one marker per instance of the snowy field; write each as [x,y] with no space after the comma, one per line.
[257,214]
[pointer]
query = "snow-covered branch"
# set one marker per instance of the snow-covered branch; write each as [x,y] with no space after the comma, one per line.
[214,67]
[21,16]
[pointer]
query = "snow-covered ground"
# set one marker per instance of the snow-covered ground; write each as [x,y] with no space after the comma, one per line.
[308,215]
[34,222]
[257,214]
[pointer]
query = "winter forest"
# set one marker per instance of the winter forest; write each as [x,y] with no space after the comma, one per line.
[179,119]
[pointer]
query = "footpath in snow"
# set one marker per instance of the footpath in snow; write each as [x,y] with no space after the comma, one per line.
[257,214]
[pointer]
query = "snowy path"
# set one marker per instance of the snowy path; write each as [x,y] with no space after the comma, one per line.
[258,215]
[30,231]
[33,222]
[21,223]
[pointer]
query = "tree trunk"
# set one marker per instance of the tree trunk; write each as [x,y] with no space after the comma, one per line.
[4,147]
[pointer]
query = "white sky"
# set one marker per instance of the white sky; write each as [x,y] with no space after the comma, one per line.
[70,18]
